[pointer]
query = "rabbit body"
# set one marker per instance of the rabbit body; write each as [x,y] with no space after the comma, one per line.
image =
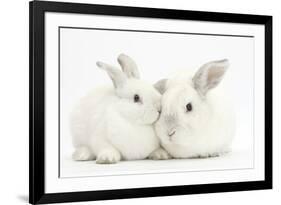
[116,122]
[196,120]
[97,124]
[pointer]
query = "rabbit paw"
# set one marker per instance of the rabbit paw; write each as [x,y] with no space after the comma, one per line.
[159,154]
[108,156]
[82,154]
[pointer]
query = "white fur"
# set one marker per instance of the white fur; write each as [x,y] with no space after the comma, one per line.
[108,125]
[160,154]
[209,128]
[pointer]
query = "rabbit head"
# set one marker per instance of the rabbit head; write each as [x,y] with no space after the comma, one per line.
[138,101]
[185,105]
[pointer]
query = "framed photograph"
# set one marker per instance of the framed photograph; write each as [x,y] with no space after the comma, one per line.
[130,102]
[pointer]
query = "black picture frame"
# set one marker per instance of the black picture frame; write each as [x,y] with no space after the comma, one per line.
[37,9]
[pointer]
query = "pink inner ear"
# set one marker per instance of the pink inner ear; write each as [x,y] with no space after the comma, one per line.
[214,76]
[215,73]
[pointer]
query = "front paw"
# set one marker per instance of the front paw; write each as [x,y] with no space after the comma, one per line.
[82,154]
[159,154]
[108,157]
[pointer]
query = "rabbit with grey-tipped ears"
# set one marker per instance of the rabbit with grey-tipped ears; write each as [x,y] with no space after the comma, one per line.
[196,120]
[116,122]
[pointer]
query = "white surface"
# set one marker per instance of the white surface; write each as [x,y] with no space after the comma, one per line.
[78,61]
[14,92]
[230,161]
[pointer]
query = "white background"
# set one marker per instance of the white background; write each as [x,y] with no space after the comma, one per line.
[14,103]
[158,55]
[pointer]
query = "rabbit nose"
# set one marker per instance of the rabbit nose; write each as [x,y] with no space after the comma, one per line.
[171,133]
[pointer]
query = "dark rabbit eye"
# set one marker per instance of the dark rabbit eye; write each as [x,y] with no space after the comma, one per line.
[136,98]
[188,107]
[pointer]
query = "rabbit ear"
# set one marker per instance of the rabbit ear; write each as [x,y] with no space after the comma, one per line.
[161,85]
[209,75]
[129,67]
[117,76]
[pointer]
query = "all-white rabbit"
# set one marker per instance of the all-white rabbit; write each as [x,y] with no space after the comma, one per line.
[197,119]
[116,122]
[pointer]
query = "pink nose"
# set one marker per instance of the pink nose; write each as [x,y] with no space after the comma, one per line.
[171,133]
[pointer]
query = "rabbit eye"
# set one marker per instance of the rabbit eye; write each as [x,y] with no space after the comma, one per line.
[188,107]
[136,98]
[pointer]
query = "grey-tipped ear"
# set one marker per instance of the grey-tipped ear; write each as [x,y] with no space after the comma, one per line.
[117,76]
[161,85]
[128,66]
[209,76]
